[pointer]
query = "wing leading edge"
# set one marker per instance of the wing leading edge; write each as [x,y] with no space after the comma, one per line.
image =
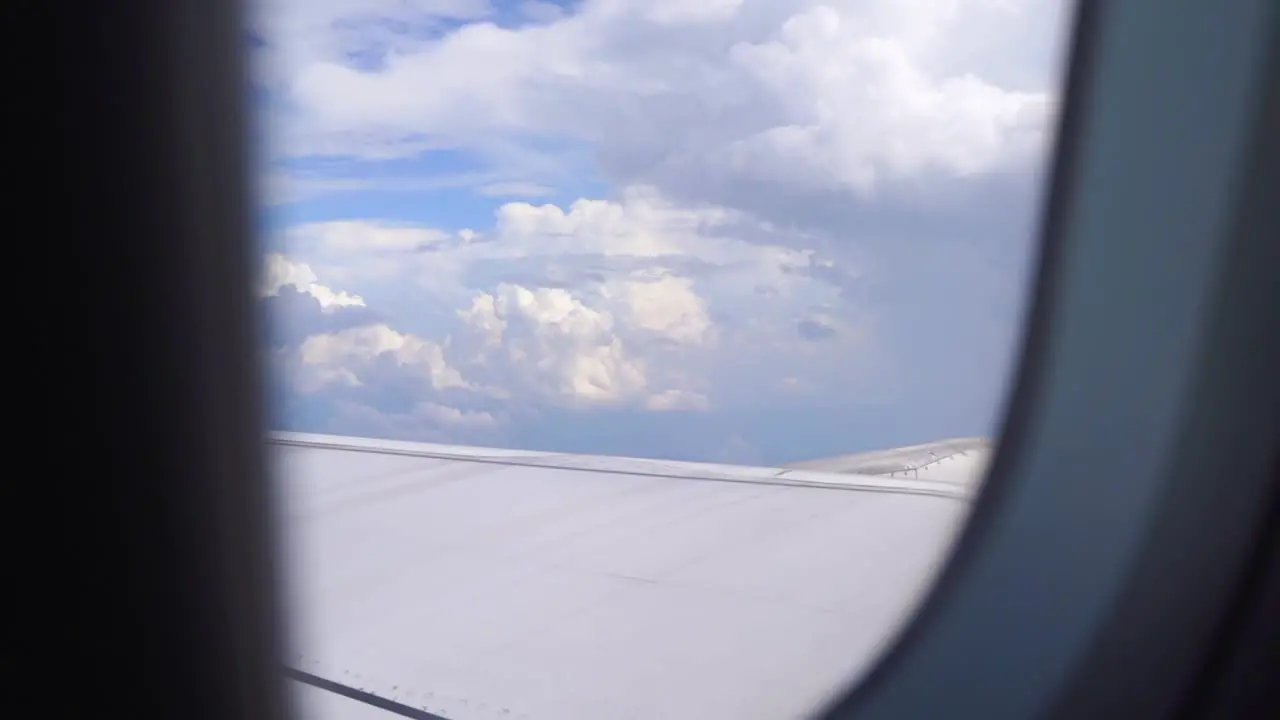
[473,583]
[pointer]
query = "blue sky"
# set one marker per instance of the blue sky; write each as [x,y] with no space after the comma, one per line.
[730,230]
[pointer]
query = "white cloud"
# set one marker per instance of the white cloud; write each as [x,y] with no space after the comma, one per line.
[640,228]
[604,303]
[362,237]
[676,12]
[781,177]
[843,96]
[676,400]
[281,272]
[667,307]
[857,111]
[556,344]
[453,417]
[347,356]
[425,421]
[515,189]
[639,223]
[527,345]
[301,32]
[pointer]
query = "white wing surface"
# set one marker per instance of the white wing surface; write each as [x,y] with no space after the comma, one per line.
[961,461]
[469,583]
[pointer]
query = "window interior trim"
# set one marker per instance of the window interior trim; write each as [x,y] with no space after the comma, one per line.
[1139,389]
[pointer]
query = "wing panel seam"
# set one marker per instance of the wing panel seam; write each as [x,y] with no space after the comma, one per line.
[943,490]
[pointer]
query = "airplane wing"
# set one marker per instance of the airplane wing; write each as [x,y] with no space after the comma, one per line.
[959,460]
[454,582]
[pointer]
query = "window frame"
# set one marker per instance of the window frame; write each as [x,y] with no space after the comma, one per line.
[1107,549]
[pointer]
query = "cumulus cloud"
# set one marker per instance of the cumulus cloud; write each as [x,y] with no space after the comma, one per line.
[281,273]
[345,356]
[667,307]
[595,347]
[810,96]
[641,250]
[857,111]
[557,344]
[295,315]
[639,223]
[619,303]
[690,206]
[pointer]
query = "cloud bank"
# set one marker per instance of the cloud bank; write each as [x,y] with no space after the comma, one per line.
[537,224]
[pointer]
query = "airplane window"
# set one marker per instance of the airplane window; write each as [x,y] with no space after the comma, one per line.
[634,357]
